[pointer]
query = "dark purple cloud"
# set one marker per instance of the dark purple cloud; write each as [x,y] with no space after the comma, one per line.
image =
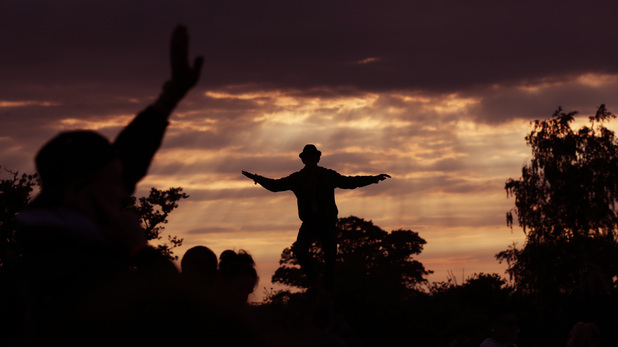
[510,103]
[304,45]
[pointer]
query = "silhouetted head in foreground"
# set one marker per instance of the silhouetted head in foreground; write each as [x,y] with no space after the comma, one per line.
[310,155]
[75,164]
[237,275]
[199,263]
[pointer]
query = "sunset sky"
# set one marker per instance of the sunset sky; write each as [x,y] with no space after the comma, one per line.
[438,94]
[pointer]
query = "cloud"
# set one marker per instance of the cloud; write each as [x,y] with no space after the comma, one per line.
[437,94]
[209,230]
[539,100]
[304,45]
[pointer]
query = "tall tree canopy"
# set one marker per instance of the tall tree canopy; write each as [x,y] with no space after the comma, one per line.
[368,258]
[377,287]
[565,202]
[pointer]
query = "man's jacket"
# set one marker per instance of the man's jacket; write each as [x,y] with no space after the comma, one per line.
[315,194]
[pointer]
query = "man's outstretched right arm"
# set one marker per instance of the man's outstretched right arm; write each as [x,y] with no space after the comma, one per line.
[274,185]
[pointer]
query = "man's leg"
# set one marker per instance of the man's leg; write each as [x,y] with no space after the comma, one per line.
[305,238]
[328,236]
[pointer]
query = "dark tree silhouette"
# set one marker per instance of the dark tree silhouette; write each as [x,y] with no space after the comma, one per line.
[15,193]
[153,211]
[378,284]
[368,258]
[462,309]
[565,204]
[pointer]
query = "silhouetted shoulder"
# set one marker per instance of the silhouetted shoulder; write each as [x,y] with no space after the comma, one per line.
[328,171]
[296,174]
[330,174]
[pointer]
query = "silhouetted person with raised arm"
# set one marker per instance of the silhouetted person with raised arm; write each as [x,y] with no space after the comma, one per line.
[314,187]
[87,267]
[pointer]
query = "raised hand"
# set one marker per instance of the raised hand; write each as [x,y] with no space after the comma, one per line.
[184,75]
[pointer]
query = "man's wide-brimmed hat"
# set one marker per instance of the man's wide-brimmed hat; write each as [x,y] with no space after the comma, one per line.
[308,150]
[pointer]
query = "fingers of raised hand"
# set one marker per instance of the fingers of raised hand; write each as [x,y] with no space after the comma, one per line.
[179,50]
[182,73]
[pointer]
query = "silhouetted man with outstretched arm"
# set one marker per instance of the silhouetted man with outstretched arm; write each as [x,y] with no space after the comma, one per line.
[314,187]
[87,274]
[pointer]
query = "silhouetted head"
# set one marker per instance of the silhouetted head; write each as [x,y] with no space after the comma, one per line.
[72,155]
[310,155]
[238,274]
[199,263]
[75,164]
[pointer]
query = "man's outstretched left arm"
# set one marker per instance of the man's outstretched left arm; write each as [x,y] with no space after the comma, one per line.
[382,177]
[351,182]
